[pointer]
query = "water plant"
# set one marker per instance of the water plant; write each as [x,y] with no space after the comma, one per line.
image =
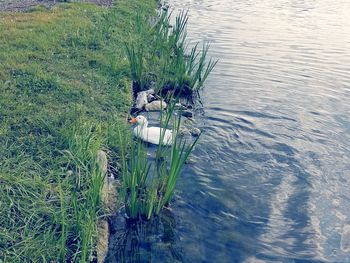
[170,173]
[148,187]
[164,52]
[135,55]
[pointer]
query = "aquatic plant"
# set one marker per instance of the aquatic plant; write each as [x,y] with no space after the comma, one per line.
[135,170]
[148,187]
[171,170]
[135,54]
[201,68]
[164,53]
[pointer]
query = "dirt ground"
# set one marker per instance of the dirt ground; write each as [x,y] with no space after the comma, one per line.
[23,5]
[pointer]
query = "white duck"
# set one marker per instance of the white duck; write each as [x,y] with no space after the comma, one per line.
[150,134]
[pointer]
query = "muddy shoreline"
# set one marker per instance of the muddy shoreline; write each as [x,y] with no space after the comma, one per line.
[25,5]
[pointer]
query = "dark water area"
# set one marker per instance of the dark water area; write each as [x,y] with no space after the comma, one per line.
[269,180]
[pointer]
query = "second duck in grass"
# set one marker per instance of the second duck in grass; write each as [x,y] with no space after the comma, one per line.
[151,134]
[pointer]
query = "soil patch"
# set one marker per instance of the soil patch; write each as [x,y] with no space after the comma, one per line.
[24,5]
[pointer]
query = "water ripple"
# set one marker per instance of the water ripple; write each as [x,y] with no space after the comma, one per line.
[269,179]
[276,125]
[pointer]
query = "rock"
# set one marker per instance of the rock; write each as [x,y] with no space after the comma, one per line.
[179,106]
[184,131]
[109,188]
[109,200]
[188,122]
[102,161]
[195,132]
[156,105]
[187,113]
[110,194]
[102,240]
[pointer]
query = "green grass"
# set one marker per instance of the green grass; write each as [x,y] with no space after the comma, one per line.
[64,93]
[162,51]
[147,187]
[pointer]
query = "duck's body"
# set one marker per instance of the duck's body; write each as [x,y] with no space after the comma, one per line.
[151,134]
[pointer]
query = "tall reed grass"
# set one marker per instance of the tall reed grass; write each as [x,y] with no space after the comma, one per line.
[164,51]
[148,187]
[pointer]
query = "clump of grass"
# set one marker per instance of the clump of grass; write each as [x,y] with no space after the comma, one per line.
[85,187]
[170,172]
[135,56]
[164,51]
[192,70]
[186,71]
[25,219]
[148,187]
[53,217]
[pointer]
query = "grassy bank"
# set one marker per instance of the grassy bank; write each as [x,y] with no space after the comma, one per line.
[64,94]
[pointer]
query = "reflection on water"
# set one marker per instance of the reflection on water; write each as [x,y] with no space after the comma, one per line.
[269,179]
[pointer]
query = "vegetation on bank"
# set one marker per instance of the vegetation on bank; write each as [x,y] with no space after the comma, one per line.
[64,93]
[148,186]
[161,58]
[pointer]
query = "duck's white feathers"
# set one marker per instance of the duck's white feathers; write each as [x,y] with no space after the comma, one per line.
[152,134]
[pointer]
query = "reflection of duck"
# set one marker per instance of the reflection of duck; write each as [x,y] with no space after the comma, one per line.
[150,134]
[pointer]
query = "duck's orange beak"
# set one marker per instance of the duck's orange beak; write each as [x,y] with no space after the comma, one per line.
[133,120]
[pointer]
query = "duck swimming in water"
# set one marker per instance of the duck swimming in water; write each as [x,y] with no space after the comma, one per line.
[151,134]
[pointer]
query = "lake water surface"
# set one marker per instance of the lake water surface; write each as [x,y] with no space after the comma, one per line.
[270,178]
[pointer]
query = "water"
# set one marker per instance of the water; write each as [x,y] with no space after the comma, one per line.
[269,180]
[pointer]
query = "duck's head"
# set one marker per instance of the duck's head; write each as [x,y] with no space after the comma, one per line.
[139,120]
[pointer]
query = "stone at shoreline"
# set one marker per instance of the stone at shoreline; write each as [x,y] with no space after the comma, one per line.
[102,240]
[110,194]
[141,98]
[195,132]
[179,106]
[156,105]
[110,185]
[189,122]
[102,161]
[109,200]
[187,113]
[183,131]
